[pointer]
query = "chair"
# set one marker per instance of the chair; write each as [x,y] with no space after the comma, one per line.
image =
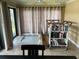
[33,49]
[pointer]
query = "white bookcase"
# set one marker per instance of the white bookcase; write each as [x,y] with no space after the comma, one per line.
[57,33]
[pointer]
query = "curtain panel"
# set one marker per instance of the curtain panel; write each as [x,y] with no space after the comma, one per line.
[33,19]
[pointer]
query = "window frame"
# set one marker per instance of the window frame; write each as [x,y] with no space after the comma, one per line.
[15,20]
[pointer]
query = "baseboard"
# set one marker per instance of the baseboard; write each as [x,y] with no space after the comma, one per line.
[77,45]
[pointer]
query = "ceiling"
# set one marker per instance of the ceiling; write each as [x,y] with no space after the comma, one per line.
[39,2]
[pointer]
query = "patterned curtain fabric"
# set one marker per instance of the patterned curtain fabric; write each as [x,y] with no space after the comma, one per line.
[34,18]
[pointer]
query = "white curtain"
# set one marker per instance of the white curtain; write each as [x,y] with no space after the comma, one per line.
[34,18]
[27,18]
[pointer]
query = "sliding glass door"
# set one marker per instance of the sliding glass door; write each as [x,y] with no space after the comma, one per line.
[2,45]
[12,12]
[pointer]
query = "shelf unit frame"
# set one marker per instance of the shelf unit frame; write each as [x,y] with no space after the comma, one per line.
[63,29]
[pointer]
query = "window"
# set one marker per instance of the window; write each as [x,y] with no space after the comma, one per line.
[13,21]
